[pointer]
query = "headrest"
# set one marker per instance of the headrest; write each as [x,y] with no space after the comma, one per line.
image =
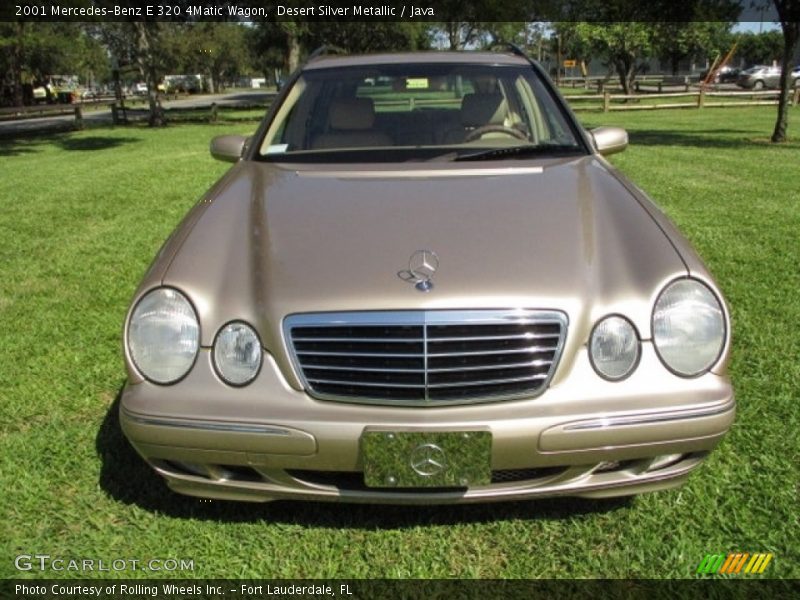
[352,113]
[483,109]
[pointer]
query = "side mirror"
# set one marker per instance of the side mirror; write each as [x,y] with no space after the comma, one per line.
[228,148]
[609,140]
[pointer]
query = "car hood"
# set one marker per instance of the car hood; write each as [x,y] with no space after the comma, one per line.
[563,234]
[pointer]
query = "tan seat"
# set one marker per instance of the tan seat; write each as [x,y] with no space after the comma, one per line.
[478,110]
[350,123]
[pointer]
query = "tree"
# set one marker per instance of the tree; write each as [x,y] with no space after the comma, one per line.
[363,36]
[148,36]
[30,53]
[12,59]
[267,47]
[674,41]
[483,22]
[218,50]
[292,32]
[789,14]
[148,46]
[282,44]
[572,45]
[622,44]
[624,31]
[460,34]
[524,34]
[759,48]
[282,37]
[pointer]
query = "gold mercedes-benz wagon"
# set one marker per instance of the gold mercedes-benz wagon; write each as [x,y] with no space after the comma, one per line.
[422,282]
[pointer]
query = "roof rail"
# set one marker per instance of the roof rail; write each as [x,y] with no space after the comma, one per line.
[324,51]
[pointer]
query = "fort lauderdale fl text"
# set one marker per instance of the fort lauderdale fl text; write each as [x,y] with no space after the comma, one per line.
[242,12]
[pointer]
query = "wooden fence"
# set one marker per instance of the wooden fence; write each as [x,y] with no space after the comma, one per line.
[607,101]
[657,82]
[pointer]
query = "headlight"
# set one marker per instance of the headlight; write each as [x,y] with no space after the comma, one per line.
[237,353]
[614,348]
[688,327]
[163,335]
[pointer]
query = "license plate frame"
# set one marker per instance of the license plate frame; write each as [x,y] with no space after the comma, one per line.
[426,459]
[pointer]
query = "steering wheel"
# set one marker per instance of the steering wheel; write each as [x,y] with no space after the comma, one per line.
[480,131]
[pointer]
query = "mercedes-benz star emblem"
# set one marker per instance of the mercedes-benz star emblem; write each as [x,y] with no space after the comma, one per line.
[428,460]
[421,267]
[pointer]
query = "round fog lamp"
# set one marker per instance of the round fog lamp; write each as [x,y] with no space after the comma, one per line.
[237,353]
[614,348]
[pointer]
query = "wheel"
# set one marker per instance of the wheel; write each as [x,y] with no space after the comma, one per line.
[758,85]
[476,133]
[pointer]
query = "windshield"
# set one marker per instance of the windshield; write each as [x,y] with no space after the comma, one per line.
[407,112]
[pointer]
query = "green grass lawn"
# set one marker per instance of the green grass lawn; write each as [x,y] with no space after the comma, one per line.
[82,215]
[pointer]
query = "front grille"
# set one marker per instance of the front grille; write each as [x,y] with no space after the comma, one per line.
[354,481]
[426,357]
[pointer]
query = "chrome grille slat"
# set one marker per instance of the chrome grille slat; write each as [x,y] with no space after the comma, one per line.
[489,338]
[532,350]
[426,358]
[418,386]
[384,354]
[359,340]
[488,381]
[364,369]
[532,363]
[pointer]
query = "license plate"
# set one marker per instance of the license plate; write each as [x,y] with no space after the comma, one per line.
[403,459]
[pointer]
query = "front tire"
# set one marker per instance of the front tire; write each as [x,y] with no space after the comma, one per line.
[758,85]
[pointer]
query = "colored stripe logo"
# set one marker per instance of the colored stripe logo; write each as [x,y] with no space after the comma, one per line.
[734,563]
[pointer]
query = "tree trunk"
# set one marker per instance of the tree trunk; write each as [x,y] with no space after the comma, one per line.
[292,51]
[453,35]
[16,64]
[791,36]
[626,72]
[147,66]
[675,61]
[156,118]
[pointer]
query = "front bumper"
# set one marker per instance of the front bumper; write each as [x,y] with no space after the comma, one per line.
[583,437]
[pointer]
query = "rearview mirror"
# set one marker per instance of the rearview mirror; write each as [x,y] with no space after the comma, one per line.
[228,148]
[609,140]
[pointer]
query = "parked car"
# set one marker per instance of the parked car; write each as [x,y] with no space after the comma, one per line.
[726,74]
[90,93]
[39,93]
[139,89]
[759,77]
[431,291]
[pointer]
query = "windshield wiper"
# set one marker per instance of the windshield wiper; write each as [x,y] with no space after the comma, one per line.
[518,151]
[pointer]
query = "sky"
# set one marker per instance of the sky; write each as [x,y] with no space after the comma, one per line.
[756,26]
